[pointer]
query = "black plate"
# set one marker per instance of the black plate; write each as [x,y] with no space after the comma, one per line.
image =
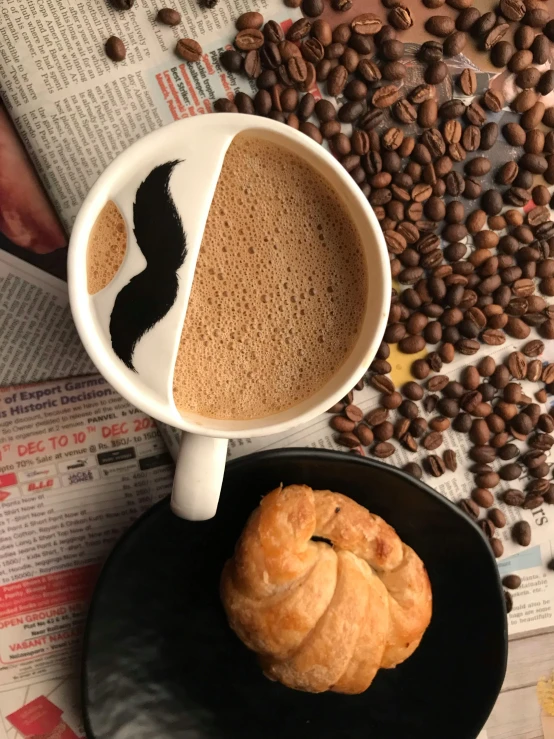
[161,662]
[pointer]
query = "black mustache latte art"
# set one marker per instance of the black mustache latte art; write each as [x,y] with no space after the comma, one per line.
[148,296]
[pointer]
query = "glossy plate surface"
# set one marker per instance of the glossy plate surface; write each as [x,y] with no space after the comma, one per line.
[160,661]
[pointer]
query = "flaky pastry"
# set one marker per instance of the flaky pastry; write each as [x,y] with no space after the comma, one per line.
[324,617]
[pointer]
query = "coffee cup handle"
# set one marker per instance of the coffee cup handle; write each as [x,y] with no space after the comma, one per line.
[198,477]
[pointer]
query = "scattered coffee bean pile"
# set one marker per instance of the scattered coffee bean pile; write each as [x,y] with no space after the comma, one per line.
[186,48]
[455,299]
[487,403]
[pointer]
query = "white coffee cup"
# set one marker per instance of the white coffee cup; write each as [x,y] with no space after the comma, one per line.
[200,144]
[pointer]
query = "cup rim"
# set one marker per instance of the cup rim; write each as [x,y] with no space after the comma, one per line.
[79,297]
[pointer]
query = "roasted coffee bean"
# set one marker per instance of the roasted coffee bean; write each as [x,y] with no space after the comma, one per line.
[355,90]
[364,434]
[471,138]
[513,497]
[252,64]
[450,460]
[510,471]
[383,449]
[427,114]
[466,18]
[262,102]
[470,508]
[267,80]
[414,470]
[386,96]
[534,163]
[244,103]
[511,581]
[507,173]
[495,544]
[489,134]
[336,81]
[383,431]
[487,527]
[478,166]
[377,416]
[497,517]
[334,51]
[521,532]
[361,44]
[436,72]
[485,23]
[249,39]
[517,196]
[532,117]
[534,144]
[312,8]
[171,17]
[231,60]
[487,479]
[433,441]
[440,25]
[455,43]
[116,51]
[401,17]
[495,35]
[493,100]
[366,24]
[299,29]
[430,51]
[524,101]
[528,78]
[434,465]
[520,61]
[541,49]
[418,427]
[411,344]
[523,37]
[342,424]
[475,114]
[513,10]
[341,144]
[452,109]
[297,69]
[223,105]
[312,51]
[325,110]
[514,134]
[348,439]
[274,34]
[287,49]
[312,131]
[501,52]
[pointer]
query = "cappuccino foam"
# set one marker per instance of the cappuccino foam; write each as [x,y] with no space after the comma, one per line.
[106,247]
[279,291]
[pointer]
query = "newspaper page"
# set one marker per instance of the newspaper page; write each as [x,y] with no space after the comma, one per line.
[78,465]
[38,337]
[75,110]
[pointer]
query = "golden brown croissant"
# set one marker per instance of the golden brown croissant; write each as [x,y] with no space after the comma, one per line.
[324,617]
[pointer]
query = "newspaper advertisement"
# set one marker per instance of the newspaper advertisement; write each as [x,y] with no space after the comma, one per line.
[78,465]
